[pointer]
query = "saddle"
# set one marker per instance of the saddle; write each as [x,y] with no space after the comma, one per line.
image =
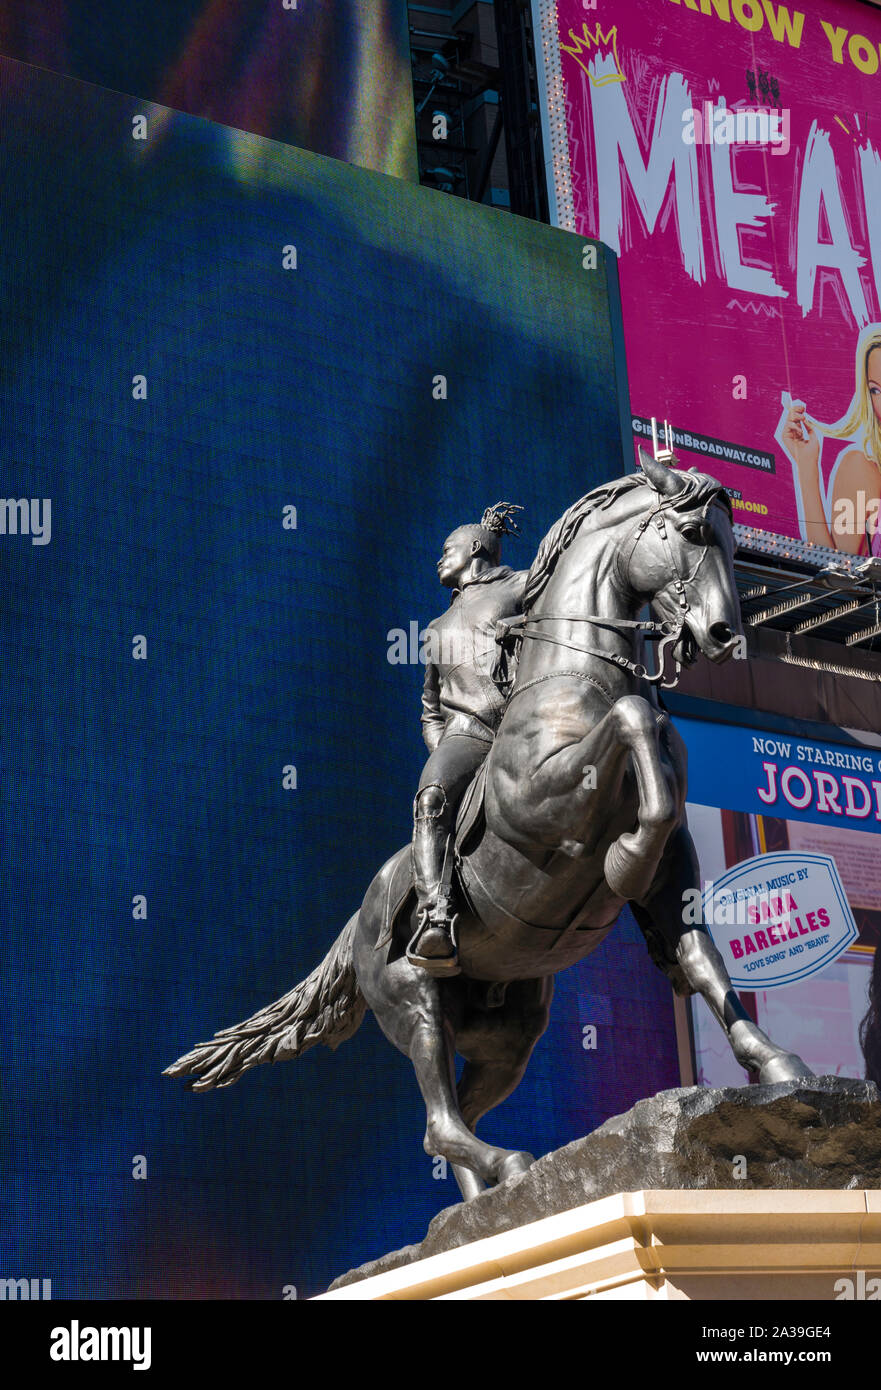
[401,892]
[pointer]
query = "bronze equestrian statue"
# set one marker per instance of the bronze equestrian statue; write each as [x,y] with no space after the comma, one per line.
[578,808]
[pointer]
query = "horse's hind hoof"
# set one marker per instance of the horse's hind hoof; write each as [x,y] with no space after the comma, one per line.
[788,1067]
[514,1165]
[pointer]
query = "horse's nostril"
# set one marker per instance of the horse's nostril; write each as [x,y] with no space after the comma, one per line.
[721,633]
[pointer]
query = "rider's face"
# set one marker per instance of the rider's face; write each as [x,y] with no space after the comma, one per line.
[873,374]
[455,558]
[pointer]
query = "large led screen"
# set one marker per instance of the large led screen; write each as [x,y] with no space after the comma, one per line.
[328,75]
[229,467]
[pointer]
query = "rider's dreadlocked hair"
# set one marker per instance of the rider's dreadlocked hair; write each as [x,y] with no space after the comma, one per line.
[497,521]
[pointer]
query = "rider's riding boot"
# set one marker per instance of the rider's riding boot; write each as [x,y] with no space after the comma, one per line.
[433,945]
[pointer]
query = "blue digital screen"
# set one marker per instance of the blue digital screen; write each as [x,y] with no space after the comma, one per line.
[331,76]
[170,647]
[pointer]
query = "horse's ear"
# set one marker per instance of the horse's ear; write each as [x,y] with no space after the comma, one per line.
[644,460]
[663,479]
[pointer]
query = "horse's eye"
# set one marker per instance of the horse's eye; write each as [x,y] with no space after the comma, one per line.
[693,534]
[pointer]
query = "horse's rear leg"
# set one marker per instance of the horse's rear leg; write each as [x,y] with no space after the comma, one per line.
[470,1183]
[705,972]
[482,1086]
[418,1013]
[497,1044]
[446,1133]
[409,1007]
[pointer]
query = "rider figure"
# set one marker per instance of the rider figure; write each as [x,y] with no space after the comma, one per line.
[462,707]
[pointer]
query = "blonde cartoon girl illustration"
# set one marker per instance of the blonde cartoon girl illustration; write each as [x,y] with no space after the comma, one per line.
[845,514]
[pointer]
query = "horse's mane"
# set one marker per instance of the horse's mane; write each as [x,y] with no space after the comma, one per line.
[697,488]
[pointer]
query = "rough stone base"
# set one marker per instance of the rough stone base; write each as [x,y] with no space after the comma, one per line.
[823,1133]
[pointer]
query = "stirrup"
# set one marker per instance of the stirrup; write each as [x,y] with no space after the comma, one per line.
[438,966]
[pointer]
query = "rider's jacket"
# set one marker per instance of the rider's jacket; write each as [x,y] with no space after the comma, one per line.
[460,695]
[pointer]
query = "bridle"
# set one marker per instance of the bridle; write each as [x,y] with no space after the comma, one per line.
[666,632]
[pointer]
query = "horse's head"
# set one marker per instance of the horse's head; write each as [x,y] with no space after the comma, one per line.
[681,560]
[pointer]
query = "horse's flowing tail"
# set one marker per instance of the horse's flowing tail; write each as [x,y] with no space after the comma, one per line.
[327,1007]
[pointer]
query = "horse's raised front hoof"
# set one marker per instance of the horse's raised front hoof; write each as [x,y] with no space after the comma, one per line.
[625,873]
[788,1066]
[514,1165]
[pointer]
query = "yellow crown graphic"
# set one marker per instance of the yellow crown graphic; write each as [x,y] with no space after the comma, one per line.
[604,56]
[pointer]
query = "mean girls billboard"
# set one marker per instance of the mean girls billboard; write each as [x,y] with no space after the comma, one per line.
[729,151]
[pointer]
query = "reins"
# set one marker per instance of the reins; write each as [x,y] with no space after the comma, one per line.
[666,632]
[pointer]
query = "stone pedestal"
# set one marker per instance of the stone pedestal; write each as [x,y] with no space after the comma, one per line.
[756,1192]
[727,1245]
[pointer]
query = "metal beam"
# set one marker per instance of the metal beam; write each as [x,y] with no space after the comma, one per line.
[829,616]
[777,610]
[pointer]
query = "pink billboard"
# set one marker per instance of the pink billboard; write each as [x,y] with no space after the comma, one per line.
[729,151]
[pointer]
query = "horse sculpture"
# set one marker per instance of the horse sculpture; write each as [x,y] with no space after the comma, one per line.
[582,811]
